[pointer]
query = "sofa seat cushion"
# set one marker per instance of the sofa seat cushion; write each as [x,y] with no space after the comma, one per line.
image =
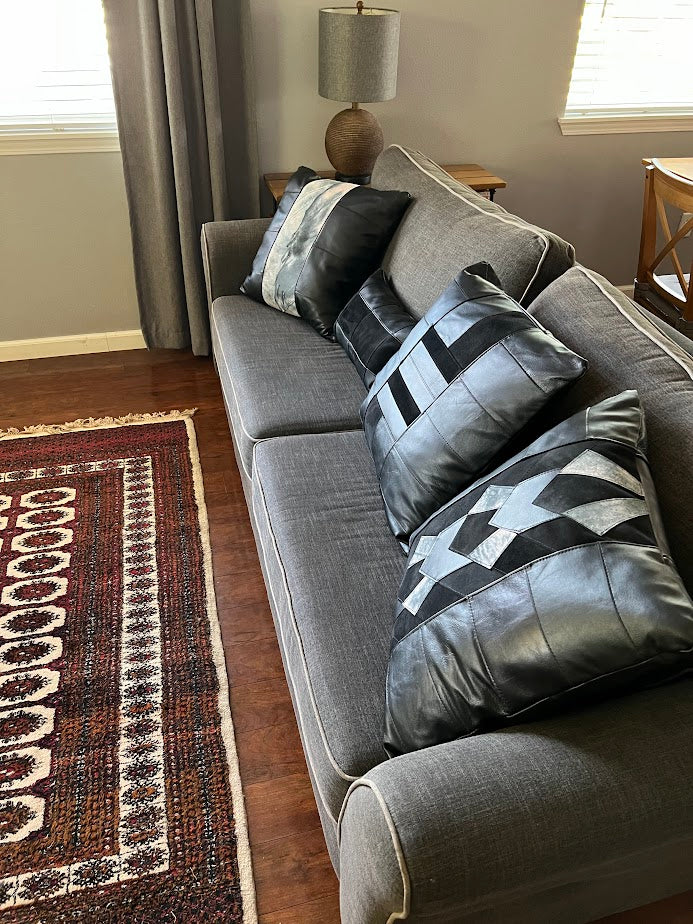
[625,349]
[279,376]
[448,226]
[333,569]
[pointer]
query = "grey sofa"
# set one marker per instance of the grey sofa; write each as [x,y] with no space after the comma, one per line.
[564,820]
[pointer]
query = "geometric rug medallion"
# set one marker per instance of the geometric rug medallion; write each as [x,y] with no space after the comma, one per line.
[120,796]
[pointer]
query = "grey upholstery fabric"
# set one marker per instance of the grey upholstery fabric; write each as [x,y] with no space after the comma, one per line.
[626,350]
[449,226]
[334,568]
[182,87]
[537,824]
[228,248]
[279,376]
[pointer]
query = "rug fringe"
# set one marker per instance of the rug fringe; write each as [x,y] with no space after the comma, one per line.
[94,423]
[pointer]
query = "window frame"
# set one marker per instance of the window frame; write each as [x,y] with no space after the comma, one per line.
[52,140]
[618,123]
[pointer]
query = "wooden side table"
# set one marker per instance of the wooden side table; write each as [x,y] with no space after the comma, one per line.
[470,174]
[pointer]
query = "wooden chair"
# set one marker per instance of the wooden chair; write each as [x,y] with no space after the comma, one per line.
[669,296]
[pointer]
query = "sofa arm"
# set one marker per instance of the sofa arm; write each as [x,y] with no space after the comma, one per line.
[587,809]
[228,249]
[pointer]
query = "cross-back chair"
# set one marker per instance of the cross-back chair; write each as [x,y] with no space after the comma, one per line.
[668,295]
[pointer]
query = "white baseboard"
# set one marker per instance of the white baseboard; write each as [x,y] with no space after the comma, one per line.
[629,289]
[40,347]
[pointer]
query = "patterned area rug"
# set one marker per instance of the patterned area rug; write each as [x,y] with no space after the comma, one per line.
[120,798]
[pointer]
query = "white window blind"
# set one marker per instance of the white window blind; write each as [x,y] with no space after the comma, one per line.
[633,58]
[54,67]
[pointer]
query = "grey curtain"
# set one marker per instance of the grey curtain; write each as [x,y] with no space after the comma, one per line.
[182,75]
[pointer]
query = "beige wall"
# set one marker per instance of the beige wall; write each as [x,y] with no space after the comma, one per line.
[481,81]
[65,258]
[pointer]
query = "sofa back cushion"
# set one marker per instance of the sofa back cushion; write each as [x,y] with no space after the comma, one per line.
[448,226]
[625,349]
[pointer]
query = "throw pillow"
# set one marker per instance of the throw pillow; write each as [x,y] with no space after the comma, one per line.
[545,585]
[373,326]
[325,238]
[471,373]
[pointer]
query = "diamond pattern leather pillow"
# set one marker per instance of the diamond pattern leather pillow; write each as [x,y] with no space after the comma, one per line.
[546,584]
[471,373]
[325,239]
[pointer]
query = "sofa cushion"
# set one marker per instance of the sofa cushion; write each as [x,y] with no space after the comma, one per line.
[278,376]
[473,371]
[626,349]
[325,239]
[448,226]
[333,569]
[545,585]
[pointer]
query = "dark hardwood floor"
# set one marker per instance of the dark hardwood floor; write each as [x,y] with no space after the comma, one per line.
[294,879]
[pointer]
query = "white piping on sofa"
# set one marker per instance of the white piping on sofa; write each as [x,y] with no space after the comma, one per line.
[345,776]
[509,220]
[252,439]
[396,843]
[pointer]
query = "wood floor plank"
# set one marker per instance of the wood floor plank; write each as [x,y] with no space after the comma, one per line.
[250,662]
[292,871]
[244,623]
[264,704]
[270,752]
[280,808]
[322,911]
[294,878]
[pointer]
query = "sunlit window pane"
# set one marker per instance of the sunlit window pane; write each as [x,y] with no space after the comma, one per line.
[54,68]
[633,56]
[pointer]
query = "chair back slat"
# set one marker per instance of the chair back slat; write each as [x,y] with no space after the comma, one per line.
[669,296]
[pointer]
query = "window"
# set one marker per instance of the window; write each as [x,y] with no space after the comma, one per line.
[55,81]
[632,69]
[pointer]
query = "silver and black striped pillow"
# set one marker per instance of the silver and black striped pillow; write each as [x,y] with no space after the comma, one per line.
[326,237]
[468,377]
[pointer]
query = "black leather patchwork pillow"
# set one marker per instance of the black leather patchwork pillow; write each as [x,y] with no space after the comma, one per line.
[325,239]
[471,373]
[546,584]
[373,326]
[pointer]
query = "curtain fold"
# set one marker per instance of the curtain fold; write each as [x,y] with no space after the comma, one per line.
[182,81]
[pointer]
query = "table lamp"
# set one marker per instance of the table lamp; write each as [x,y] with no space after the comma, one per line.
[358,64]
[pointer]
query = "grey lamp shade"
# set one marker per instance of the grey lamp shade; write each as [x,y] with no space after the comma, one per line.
[358,54]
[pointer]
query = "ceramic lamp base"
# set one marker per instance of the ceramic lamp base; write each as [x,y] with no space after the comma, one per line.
[353,141]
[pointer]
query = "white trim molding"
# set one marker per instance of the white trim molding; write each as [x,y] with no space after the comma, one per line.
[613,124]
[40,347]
[58,142]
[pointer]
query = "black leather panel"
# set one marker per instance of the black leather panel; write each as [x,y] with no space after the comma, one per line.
[545,585]
[373,326]
[350,246]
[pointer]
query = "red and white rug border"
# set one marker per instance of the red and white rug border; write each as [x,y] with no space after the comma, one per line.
[244,860]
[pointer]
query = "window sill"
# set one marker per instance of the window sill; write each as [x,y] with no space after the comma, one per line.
[57,142]
[622,124]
